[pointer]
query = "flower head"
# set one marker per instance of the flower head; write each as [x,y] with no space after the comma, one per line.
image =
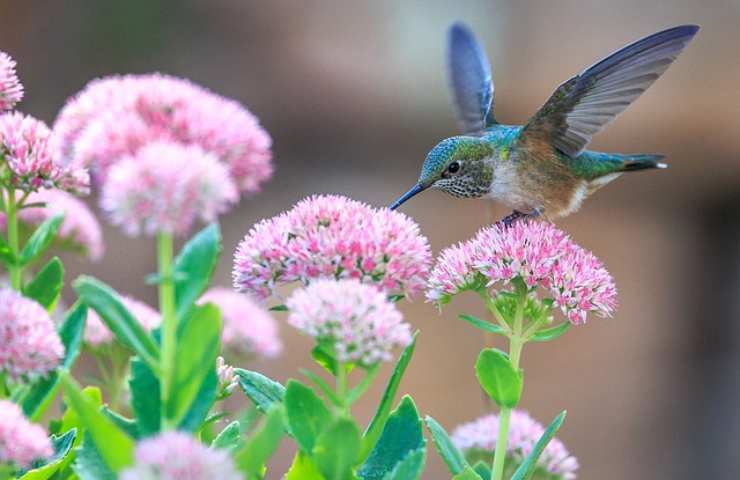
[11,89]
[97,333]
[21,442]
[331,236]
[248,327]
[178,456]
[539,255]
[114,117]
[165,187]
[478,439]
[29,344]
[227,380]
[26,149]
[358,320]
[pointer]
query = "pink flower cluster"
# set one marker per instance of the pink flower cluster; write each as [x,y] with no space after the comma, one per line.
[29,344]
[97,333]
[524,431]
[21,442]
[80,228]
[11,89]
[164,187]
[113,117]
[248,328]
[359,320]
[26,148]
[178,456]
[538,253]
[331,236]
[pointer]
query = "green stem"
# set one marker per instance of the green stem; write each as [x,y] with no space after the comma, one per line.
[342,387]
[11,211]
[4,390]
[169,321]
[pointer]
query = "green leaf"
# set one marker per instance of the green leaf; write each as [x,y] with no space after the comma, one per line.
[49,466]
[498,377]
[325,359]
[229,437]
[204,399]
[46,286]
[337,449]
[303,469]
[551,333]
[199,343]
[40,239]
[375,428]
[467,474]
[484,325]
[194,267]
[323,386]
[260,446]
[104,300]
[279,308]
[6,254]
[528,466]
[453,458]
[115,447]
[410,468]
[263,392]
[89,464]
[128,425]
[401,436]
[71,420]
[43,391]
[483,470]
[305,413]
[145,398]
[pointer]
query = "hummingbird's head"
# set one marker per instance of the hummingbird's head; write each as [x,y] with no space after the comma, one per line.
[456,165]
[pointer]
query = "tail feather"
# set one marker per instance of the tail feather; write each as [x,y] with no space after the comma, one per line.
[642,162]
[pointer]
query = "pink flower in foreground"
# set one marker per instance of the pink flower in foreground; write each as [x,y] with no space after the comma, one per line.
[114,117]
[26,149]
[11,89]
[537,253]
[165,187]
[80,228]
[97,333]
[21,442]
[359,320]
[480,436]
[29,344]
[178,456]
[248,327]
[331,236]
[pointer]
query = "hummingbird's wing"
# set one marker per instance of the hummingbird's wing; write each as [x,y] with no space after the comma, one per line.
[469,77]
[585,104]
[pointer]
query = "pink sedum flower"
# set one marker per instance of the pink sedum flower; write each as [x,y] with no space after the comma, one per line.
[178,456]
[97,333]
[538,253]
[248,328]
[165,187]
[11,89]
[29,344]
[227,380]
[331,236]
[480,436]
[26,149]
[357,319]
[113,117]
[21,442]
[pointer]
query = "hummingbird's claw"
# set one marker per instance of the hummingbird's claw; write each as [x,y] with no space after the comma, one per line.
[516,215]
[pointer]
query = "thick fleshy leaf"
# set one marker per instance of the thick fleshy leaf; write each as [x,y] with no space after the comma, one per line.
[49,466]
[40,239]
[551,333]
[116,448]
[337,449]
[128,425]
[43,391]
[401,436]
[324,359]
[498,377]
[201,405]
[264,392]
[104,300]
[259,447]
[303,468]
[453,458]
[483,470]
[145,397]
[529,465]
[481,324]
[46,286]
[410,468]
[71,420]
[306,414]
[467,474]
[194,267]
[89,464]
[229,437]
[375,428]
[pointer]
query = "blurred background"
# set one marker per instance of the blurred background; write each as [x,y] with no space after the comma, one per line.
[354,95]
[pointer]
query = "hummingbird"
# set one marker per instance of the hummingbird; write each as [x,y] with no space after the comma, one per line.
[543,167]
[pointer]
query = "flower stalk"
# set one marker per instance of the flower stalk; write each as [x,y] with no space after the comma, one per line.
[15,270]
[165,248]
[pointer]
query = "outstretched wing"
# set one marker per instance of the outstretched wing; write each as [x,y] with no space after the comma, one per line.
[585,104]
[469,76]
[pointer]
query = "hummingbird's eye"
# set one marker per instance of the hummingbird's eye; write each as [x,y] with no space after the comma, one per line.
[454,167]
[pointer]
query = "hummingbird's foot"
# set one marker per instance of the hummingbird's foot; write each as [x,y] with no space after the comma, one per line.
[516,215]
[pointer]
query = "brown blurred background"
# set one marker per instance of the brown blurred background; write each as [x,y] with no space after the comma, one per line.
[354,96]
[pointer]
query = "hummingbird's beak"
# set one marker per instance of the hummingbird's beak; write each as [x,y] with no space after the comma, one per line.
[402,199]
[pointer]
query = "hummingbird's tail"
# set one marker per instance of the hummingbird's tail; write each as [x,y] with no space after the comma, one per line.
[642,162]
